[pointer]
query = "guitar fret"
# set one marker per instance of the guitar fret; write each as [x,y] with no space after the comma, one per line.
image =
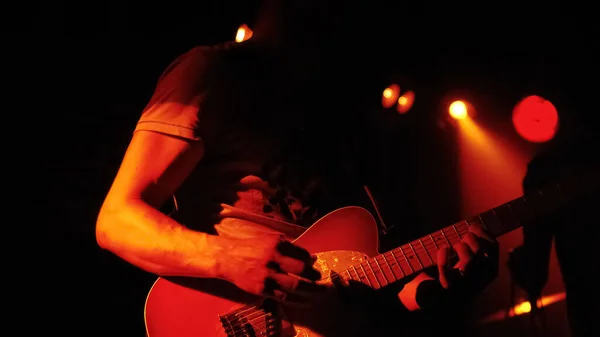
[465,228]
[389,266]
[507,217]
[426,251]
[456,230]
[366,275]
[349,275]
[416,255]
[406,259]
[522,211]
[356,272]
[435,243]
[445,238]
[397,263]
[374,273]
[382,271]
[481,222]
[513,212]
[492,222]
[493,210]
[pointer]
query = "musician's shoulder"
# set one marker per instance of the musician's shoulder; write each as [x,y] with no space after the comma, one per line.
[217,48]
[199,59]
[225,55]
[203,53]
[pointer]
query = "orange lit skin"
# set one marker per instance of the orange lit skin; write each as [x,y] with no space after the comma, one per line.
[131,226]
[408,294]
[458,110]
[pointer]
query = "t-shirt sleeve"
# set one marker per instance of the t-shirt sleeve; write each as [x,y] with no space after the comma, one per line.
[176,106]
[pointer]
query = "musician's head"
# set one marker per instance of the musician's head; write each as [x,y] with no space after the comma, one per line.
[320,36]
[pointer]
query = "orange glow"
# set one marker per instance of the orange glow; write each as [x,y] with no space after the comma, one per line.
[405,102]
[524,307]
[243,33]
[535,119]
[458,110]
[390,95]
[490,168]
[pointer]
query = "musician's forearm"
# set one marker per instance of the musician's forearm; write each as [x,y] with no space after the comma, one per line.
[145,237]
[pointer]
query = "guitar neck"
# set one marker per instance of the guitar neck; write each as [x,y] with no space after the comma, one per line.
[413,257]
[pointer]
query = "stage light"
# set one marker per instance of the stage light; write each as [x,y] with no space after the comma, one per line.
[523,308]
[535,119]
[390,95]
[243,33]
[458,110]
[405,102]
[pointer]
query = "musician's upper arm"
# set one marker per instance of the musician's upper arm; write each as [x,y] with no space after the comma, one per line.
[171,135]
[153,167]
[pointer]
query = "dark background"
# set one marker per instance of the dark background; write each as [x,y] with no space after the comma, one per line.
[89,68]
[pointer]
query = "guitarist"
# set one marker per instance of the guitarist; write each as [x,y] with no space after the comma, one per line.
[573,231]
[248,136]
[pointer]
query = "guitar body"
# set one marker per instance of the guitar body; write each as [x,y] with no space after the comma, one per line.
[185,307]
[342,241]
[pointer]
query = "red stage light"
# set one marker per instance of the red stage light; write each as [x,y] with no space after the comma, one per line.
[535,119]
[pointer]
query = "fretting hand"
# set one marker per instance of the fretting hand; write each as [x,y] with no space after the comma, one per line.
[477,260]
[477,266]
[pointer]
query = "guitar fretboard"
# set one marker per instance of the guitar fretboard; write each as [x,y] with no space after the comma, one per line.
[419,254]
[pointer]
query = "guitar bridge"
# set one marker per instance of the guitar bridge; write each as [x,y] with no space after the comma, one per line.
[250,321]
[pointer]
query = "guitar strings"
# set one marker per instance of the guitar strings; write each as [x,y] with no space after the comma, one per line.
[386,260]
[256,317]
[366,273]
[448,237]
[247,319]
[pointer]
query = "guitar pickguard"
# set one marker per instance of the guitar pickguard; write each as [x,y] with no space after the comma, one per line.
[327,263]
[337,261]
[265,320]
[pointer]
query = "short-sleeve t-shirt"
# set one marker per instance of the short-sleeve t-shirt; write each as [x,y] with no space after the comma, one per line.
[268,145]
